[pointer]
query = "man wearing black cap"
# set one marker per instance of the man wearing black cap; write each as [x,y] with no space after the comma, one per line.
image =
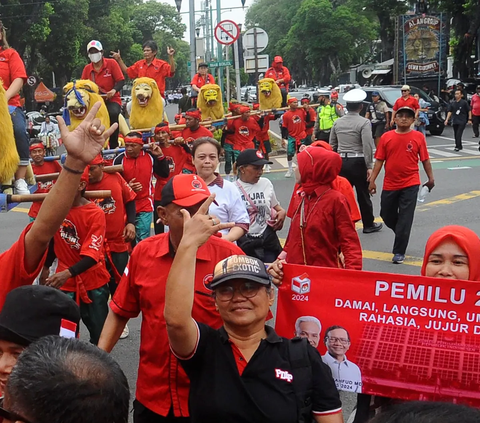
[199,80]
[29,313]
[379,115]
[162,387]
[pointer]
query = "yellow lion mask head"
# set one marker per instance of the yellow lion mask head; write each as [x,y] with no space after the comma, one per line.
[147,104]
[9,157]
[270,94]
[89,93]
[210,102]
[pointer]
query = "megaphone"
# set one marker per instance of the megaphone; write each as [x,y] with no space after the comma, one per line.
[367,73]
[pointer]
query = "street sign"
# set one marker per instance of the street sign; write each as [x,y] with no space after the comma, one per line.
[220,64]
[31,81]
[263,63]
[249,39]
[227,32]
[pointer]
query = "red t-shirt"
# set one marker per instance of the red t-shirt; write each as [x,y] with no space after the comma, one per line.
[141,169]
[475,105]
[294,121]
[200,81]
[189,136]
[177,159]
[244,132]
[12,263]
[82,234]
[162,382]
[114,209]
[263,133]
[282,73]
[11,68]
[43,187]
[401,153]
[158,70]
[313,116]
[409,102]
[106,78]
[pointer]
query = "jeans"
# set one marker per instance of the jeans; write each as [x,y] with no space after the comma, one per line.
[143,221]
[114,110]
[458,132]
[475,123]
[22,139]
[397,211]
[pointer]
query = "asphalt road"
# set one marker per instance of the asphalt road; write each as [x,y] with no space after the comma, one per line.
[454,200]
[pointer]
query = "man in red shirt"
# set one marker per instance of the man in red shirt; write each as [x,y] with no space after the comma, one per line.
[106,73]
[81,272]
[23,261]
[138,168]
[162,385]
[150,66]
[262,139]
[41,167]
[227,142]
[312,115]
[199,80]
[475,106]
[281,75]
[401,149]
[193,130]
[243,130]
[293,131]
[406,100]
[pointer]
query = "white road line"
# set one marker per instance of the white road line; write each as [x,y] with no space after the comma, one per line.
[282,161]
[459,168]
[442,153]
[472,152]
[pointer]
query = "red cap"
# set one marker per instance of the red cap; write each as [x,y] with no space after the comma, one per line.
[334,94]
[256,106]
[291,100]
[98,160]
[278,59]
[36,145]
[196,114]
[184,190]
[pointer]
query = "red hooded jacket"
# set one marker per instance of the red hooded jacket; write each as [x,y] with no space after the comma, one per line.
[321,225]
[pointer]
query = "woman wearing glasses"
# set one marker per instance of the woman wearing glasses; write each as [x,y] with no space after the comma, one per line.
[241,372]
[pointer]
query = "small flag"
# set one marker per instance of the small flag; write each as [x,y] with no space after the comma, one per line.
[68,329]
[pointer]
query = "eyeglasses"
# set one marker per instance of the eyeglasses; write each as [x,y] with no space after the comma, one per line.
[247,290]
[404,91]
[13,417]
[332,340]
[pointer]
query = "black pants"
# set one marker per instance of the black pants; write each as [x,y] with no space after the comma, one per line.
[158,227]
[475,123]
[397,211]
[355,170]
[323,135]
[284,96]
[120,261]
[458,132]
[114,110]
[142,414]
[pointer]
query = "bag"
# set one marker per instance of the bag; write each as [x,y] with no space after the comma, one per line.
[252,213]
[302,377]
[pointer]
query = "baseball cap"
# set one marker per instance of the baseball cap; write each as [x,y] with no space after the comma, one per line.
[409,109]
[184,190]
[202,65]
[405,88]
[375,93]
[33,311]
[250,156]
[240,267]
[94,44]
[278,59]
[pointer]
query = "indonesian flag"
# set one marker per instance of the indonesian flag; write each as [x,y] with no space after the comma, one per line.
[68,329]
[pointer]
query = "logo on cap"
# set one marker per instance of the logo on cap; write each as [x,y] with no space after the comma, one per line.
[196,184]
[259,154]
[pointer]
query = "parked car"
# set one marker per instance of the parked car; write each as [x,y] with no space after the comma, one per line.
[437,112]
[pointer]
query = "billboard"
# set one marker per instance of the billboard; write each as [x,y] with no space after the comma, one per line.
[423,46]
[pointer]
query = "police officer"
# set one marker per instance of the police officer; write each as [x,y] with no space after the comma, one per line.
[351,137]
[326,116]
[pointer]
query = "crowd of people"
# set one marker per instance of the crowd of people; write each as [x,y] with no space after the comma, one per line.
[205,282]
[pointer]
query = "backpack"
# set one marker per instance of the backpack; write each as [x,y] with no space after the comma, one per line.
[302,377]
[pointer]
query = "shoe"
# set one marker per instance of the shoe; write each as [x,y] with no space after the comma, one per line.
[21,187]
[289,174]
[398,258]
[375,228]
[125,332]
[475,136]
[267,169]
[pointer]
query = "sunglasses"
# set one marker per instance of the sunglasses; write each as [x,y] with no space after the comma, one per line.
[13,417]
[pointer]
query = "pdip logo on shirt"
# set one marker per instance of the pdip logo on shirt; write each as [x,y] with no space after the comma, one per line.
[409,147]
[283,375]
[171,163]
[243,130]
[296,119]
[68,232]
[301,284]
[107,205]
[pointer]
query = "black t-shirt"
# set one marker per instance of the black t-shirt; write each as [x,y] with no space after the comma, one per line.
[263,393]
[459,111]
[184,104]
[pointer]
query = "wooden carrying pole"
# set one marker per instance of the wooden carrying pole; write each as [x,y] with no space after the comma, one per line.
[27,198]
[52,176]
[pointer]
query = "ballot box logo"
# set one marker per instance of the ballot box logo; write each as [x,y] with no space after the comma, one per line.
[301,284]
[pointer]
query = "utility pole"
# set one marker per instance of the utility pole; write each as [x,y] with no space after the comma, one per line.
[237,68]
[208,55]
[193,41]
[255,52]
[219,47]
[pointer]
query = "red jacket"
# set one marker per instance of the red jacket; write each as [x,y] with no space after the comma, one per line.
[281,72]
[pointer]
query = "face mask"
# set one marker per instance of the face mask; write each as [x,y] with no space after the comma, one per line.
[95,57]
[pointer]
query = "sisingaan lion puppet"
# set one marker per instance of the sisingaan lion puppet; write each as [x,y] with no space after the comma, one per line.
[210,102]
[270,94]
[147,104]
[9,158]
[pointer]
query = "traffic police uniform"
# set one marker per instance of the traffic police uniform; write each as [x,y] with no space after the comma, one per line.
[351,137]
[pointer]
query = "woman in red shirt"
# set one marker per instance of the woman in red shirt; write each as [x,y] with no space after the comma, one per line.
[199,80]
[14,75]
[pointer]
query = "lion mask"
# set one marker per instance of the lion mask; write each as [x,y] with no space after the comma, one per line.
[9,157]
[147,104]
[210,102]
[270,94]
[80,96]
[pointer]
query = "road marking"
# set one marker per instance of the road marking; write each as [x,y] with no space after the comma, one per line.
[282,161]
[20,210]
[449,200]
[474,152]
[442,153]
[458,168]
[453,139]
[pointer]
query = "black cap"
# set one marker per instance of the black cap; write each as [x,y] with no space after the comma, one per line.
[33,311]
[250,156]
[202,65]
[240,267]
[407,109]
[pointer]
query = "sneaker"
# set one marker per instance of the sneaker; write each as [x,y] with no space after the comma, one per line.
[374,228]
[289,174]
[456,149]
[125,332]
[267,169]
[398,258]
[21,187]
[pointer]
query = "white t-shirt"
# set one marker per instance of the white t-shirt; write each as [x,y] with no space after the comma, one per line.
[347,375]
[230,206]
[263,196]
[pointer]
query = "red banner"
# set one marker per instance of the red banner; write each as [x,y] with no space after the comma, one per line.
[400,336]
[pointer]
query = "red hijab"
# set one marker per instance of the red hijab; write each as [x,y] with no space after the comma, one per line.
[465,238]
